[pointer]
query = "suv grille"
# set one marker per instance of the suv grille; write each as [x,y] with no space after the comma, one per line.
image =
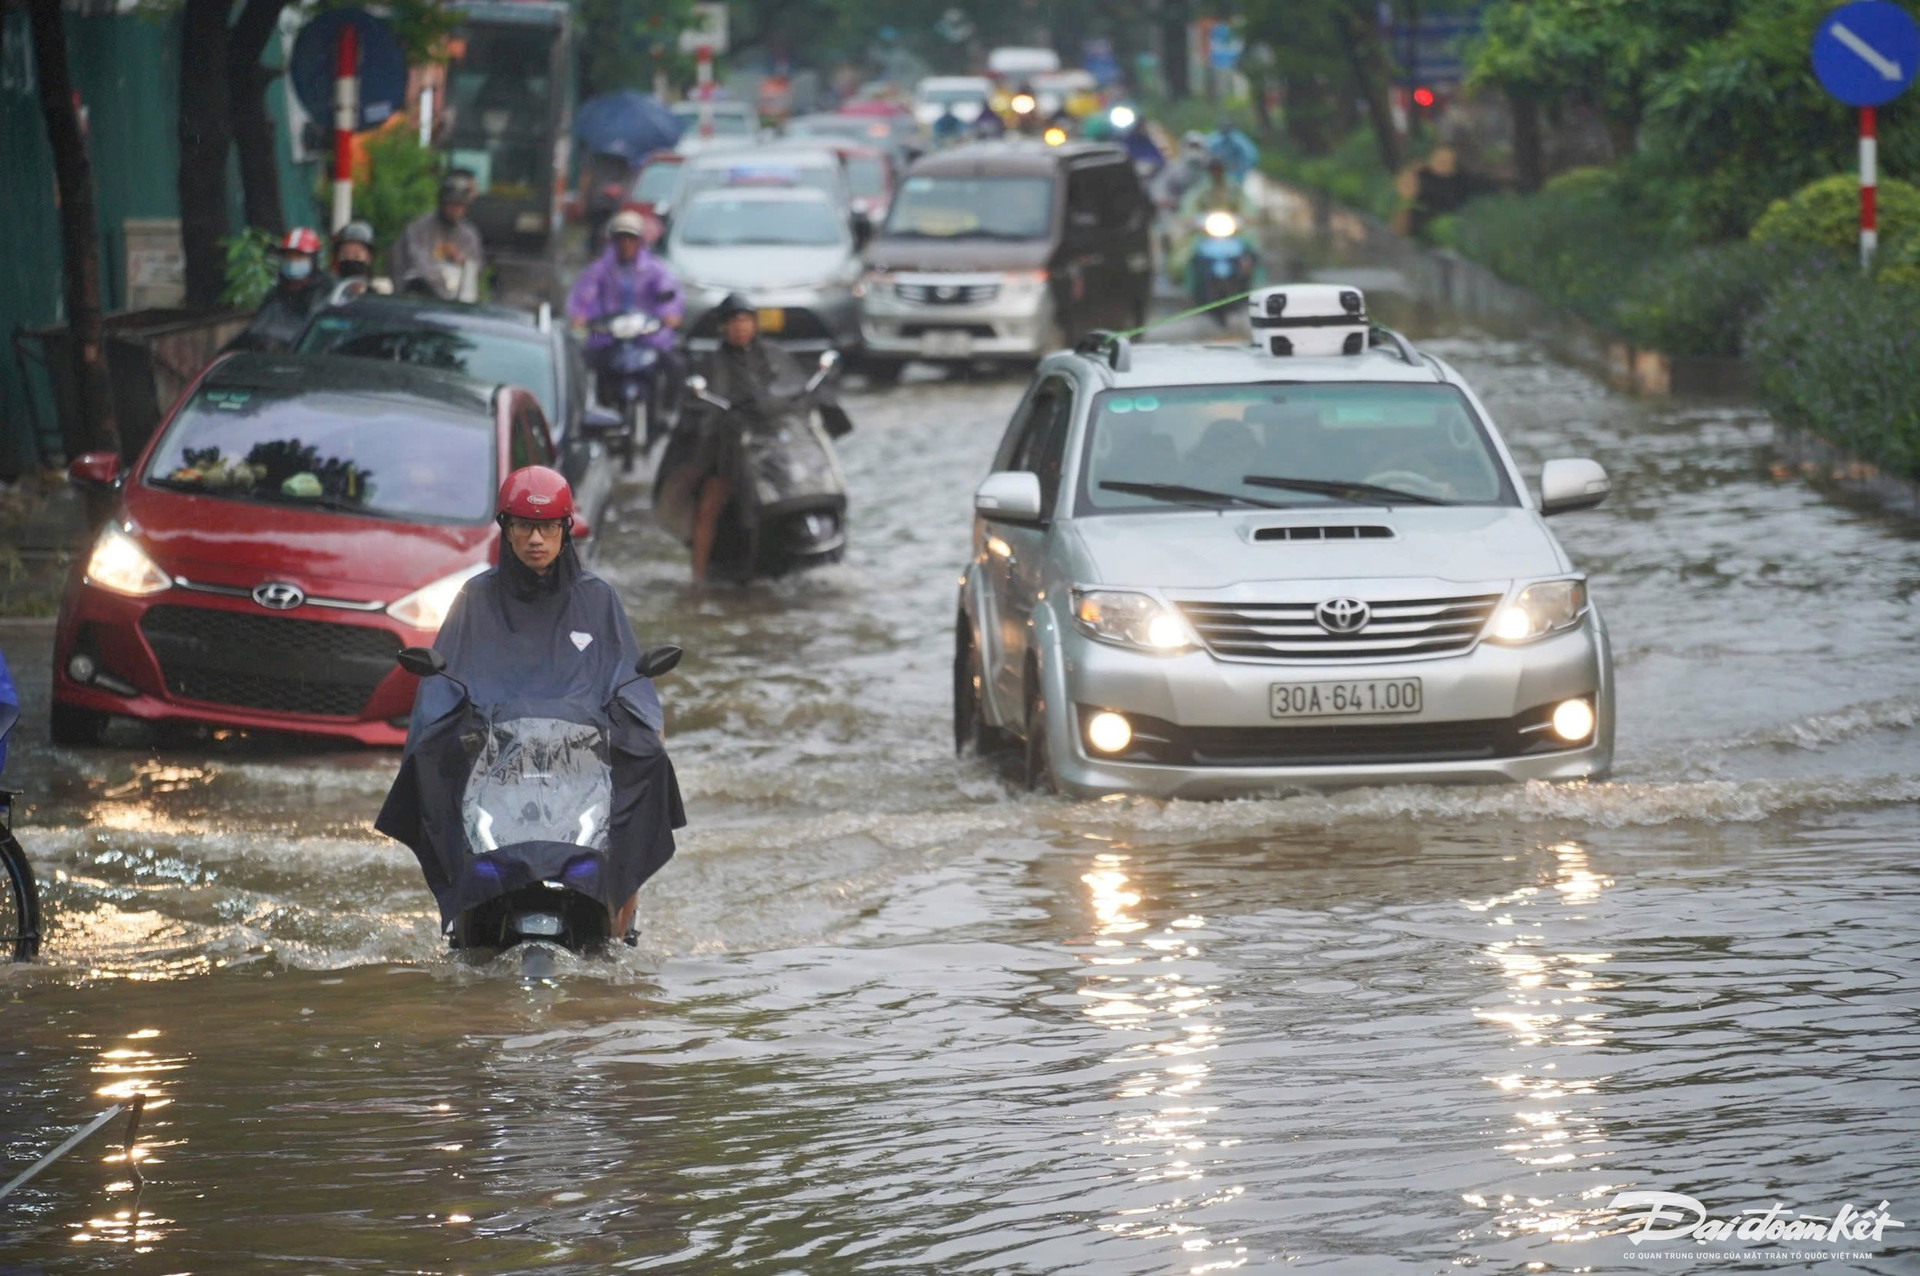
[1396,628]
[268,662]
[928,294]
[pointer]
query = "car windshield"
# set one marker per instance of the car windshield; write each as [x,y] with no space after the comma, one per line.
[1345,443]
[726,123]
[722,221]
[525,361]
[408,458]
[953,96]
[866,176]
[973,208]
[655,183]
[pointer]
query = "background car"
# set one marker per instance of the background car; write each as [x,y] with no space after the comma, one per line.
[767,166]
[789,249]
[492,343]
[730,123]
[966,95]
[295,522]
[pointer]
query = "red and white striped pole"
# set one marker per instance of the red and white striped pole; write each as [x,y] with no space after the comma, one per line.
[346,114]
[703,86]
[1869,179]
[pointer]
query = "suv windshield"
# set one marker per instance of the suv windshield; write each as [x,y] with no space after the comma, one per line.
[973,208]
[1338,443]
[490,356]
[404,458]
[720,221]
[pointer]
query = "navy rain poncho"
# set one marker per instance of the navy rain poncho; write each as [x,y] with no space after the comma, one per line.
[545,652]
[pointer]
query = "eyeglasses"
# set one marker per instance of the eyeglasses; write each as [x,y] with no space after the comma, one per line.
[530,527]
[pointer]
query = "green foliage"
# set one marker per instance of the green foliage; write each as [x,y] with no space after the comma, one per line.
[1826,214]
[403,180]
[1840,355]
[251,266]
[1351,174]
[1701,301]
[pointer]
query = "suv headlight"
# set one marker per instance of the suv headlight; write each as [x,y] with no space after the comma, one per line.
[1023,285]
[1541,609]
[426,608]
[874,281]
[119,564]
[1132,620]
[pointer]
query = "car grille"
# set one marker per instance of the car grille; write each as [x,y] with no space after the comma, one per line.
[1396,629]
[268,662]
[943,294]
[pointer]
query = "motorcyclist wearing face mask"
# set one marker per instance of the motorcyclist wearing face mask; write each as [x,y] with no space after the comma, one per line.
[301,288]
[353,253]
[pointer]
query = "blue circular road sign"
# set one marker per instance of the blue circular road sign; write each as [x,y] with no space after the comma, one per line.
[1866,53]
[382,66]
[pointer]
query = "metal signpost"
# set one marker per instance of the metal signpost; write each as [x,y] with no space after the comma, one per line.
[349,64]
[1866,54]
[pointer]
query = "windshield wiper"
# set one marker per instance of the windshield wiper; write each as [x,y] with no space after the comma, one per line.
[1368,493]
[1181,494]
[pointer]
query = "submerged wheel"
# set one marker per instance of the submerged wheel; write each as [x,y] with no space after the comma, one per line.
[19,903]
[1038,772]
[73,727]
[972,735]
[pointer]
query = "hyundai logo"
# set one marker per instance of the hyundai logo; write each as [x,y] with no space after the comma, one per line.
[277,595]
[946,292]
[1343,615]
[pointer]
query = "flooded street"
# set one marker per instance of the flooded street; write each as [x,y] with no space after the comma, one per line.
[889,1013]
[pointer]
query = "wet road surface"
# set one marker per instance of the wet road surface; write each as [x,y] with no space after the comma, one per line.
[889,1014]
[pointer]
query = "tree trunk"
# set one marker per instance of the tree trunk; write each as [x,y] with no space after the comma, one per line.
[1173,42]
[1360,38]
[1529,155]
[204,142]
[79,232]
[253,132]
[1257,81]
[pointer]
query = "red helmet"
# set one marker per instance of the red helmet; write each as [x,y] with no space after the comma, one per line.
[301,239]
[536,492]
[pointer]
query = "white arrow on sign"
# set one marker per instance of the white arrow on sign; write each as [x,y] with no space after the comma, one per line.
[1887,68]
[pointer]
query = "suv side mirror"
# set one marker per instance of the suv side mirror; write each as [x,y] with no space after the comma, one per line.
[1011,495]
[862,226]
[1572,485]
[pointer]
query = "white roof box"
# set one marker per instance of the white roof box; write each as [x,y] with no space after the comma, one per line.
[1309,321]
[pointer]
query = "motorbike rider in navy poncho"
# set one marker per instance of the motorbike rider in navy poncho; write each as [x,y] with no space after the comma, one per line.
[537,629]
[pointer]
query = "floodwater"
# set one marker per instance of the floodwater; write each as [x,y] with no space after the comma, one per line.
[889,1014]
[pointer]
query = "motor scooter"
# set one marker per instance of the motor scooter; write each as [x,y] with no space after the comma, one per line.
[788,510]
[627,379]
[1223,263]
[540,809]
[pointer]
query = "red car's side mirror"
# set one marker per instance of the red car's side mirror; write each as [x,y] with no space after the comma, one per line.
[580,528]
[95,469]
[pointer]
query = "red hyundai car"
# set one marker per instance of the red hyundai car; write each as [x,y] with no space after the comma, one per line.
[295,522]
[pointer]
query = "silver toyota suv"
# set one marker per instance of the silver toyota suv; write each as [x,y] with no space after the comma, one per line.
[1221,570]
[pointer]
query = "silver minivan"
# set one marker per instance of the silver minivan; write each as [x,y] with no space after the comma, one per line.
[1204,571]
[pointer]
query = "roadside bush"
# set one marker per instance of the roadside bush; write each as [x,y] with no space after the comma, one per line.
[1840,355]
[1351,173]
[1576,243]
[1826,214]
[1700,301]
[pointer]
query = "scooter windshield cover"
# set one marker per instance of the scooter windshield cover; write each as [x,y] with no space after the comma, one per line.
[788,462]
[539,780]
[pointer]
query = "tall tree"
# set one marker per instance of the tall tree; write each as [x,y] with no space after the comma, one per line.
[248,80]
[204,141]
[79,226]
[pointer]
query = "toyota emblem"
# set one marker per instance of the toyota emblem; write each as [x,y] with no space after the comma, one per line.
[277,595]
[1343,615]
[946,292]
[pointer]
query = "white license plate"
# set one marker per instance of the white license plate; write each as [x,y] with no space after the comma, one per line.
[946,345]
[1346,699]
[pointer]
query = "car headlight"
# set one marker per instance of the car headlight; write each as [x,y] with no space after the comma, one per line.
[876,281]
[1546,608]
[426,608]
[119,564]
[1022,284]
[1220,224]
[1130,620]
